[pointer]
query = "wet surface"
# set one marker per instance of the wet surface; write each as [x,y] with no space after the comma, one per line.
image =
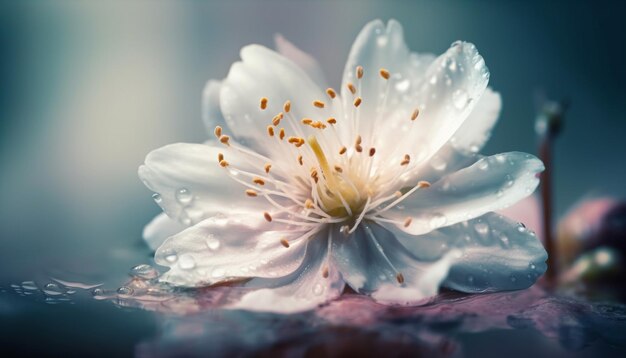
[144,318]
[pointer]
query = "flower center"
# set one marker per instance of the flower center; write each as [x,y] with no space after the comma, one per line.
[339,197]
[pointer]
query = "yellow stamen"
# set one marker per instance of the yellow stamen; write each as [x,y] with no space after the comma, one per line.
[400,278]
[408,222]
[372,151]
[331,182]
[359,72]
[308,203]
[406,160]
[384,73]
[423,184]
[331,93]
[220,157]
[258,181]
[218,131]
[287,107]
[251,193]
[284,242]
[342,150]
[270,131]
[351,88]
[263,103]
[300,160]
[318,104]
[277,118]
[224,139]
[267,168]
[224,163]
[281,133]
[331,120]
[357,101]
[306,121]
[267,216]
[325,272]
[338,169]
[415,113]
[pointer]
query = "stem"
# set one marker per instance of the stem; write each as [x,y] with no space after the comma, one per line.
[545,153]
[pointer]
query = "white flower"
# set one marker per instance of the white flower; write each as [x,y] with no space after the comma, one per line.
[377,186]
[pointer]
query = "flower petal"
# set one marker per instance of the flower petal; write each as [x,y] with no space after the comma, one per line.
[373,262]
[237,246]
[190,185]
[445,93]
[305,61]
[159,229]
[381,47]
[211,111]
[490,184]
[461,150]
[315,282]
[498,253]
[263,73]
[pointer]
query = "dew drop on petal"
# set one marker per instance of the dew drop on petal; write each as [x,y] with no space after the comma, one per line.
[218,272]
[483,165]
[29,285]
[52,289]
[481,228]
[470,279]
[437,221]
[157,198]
[459,99]
[144,271]
[186,262]
[438,163]
[183,196]
[403,85]
[212,243]
[318,289]
[125,290]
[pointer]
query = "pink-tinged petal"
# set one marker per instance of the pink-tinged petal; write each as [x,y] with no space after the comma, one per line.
[373,262]
[190,185]
[234,247]
[315,282]
[211,111]
[490,184]
[305,61]
[497,253]
[159,229]
[263,73]
[528,212]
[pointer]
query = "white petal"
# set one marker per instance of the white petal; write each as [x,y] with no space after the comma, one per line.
[265,73]
[498,254]
[159,229]
[461,151]
[490,184]
[190,185]
[237,246]
[305,61]
[378,46]
[304,289]
[371,260]
[211,111]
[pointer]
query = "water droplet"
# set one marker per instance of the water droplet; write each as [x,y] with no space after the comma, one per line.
[218,272]
[437,221]
[499,193]
[504,239]
[157,198]
[513,279]
[186,262]
[318,289]
[433,80]
[481,228]
[144,271]
[184,196]
[212,243]
[125,290]
[500,158]
[470,279]
[456,43]
[438,163]
[452,66]
[522,228]
[170,256]
[508,181]
[52,289]
[532,266]
[403,85]
[483,165]
[382,40]
[460,99]
[97,292]
[29,285]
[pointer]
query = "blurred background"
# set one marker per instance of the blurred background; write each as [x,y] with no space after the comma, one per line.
[89,88]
